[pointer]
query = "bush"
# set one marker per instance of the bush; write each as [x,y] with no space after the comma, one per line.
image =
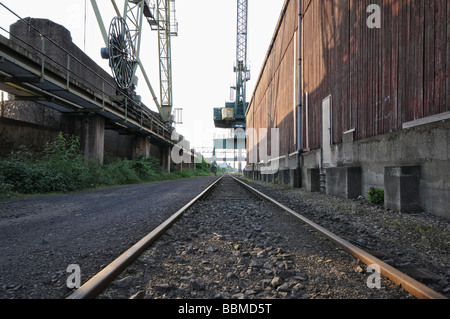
[376,195]
[6,190]
[120,172]
[62,168]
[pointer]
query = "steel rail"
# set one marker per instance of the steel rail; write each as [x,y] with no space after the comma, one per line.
[411,285]
[100,281]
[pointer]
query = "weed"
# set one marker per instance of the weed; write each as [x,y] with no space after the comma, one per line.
[376,195]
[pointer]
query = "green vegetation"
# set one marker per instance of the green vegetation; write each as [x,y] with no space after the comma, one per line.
[376,195]
[62,168]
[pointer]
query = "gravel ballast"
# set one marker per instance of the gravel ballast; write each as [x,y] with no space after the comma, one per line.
[225,247]
[415,243]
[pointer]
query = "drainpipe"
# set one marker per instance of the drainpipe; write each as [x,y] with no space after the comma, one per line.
[300,94]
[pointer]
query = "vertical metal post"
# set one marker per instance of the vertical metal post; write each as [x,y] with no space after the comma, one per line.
[126,108]
[300,86]
[68,72]
[43,59]
[103,95]
[2,105]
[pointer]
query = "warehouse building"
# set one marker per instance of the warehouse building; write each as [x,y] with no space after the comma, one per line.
[358,94]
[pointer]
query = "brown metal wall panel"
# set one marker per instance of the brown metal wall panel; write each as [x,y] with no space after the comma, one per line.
[403,60]
[273,98]
[378,78]
[442,53]
[429,67]
[447,78]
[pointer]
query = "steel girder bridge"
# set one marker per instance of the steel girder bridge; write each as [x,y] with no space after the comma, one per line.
[30,73]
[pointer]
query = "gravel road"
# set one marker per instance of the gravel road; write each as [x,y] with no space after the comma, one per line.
[41,236]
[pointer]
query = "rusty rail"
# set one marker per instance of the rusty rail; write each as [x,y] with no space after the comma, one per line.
[101,280]
[411,285]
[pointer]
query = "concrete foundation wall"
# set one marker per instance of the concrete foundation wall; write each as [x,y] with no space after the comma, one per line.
[356,166]
[118,145]
[426,146]
[14,133]
[30,112]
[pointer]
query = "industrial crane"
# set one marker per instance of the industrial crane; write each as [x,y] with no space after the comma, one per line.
[123,42]
[233,114]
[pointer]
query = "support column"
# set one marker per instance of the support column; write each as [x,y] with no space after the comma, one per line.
[91,131]
[402,188]
[313,179]
[344,181]
[141,147]
[165,157]
[192,164]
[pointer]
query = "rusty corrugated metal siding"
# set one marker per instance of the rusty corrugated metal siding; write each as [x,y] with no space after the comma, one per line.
[275,96]
[378,78]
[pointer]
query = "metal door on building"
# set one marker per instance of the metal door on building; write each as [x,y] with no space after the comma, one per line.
[326,132]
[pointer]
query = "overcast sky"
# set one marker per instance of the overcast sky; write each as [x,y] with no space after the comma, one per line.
[203,53]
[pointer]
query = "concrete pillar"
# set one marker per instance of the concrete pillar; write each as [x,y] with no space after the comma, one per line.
[402,188]
[286,176]
[344,181]
[192,164]
[93,137]
[91,131]
[165,157]
[313,179]
[141,147]
[294,176]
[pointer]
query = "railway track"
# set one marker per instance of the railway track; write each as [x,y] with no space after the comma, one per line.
[232,241]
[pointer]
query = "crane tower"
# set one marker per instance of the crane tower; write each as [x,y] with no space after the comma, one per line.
[233,114]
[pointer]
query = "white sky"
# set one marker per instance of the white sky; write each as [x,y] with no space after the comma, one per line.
[203,53]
